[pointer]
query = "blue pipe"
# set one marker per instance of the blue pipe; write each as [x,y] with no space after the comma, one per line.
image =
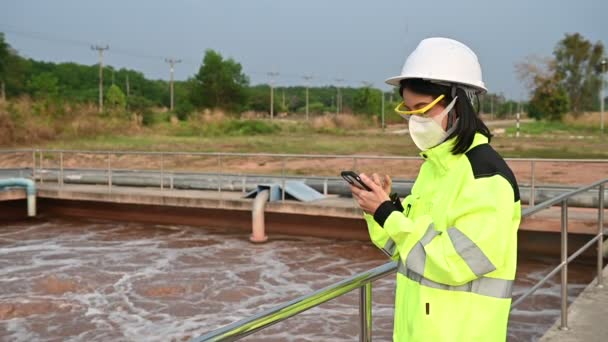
[30,188]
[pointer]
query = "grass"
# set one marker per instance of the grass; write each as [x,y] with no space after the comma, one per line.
[81,128]
[555,128]
[354,142]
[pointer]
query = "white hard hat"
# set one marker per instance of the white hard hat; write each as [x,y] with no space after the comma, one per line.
[443,60]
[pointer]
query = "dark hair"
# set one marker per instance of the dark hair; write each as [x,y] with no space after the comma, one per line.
[469,122]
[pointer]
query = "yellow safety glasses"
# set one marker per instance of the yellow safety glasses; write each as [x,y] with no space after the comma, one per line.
[422,111]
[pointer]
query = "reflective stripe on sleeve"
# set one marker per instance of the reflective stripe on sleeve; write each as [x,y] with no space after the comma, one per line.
[477,261]
[389,247]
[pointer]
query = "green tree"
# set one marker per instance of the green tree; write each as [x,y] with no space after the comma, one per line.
[115,98]
[366,101]
[44,85]
[550,101]
[576,65]
[219,83]
[4,53]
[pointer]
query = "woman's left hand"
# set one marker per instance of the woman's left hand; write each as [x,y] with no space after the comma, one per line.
[369,201]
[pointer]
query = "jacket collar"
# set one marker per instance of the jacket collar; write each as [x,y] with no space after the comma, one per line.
[441,155]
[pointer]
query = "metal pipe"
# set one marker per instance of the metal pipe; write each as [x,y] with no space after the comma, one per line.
[533,185]
[564,256]
[283,180]
[34,165]
[549,203]
[41,168]
[537,285]
[30,190]
[553,272]
[365,313]
[258,228]
[219,179]
[162,173]
[600,241]
[109,173]
[306,156]
[289,309]
[61,169]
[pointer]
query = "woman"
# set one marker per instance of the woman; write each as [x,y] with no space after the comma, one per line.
[455,236]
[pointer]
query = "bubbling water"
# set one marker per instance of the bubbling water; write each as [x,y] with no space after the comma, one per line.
[100,280]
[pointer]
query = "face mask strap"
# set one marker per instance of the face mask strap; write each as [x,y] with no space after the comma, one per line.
[452,113]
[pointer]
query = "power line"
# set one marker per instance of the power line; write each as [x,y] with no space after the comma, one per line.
[137,54]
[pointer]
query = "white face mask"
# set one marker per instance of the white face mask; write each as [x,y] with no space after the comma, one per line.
[427,132]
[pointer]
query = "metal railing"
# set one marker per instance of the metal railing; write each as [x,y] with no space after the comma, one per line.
[38,162]
[363,281]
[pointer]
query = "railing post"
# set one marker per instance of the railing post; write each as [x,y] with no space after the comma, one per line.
[365,313]
[162,172]
[600,232]
[40,153]
[61,169]
[34,165]
[564,256]
[109,173]
[219,172]
[283,179]
[533,185]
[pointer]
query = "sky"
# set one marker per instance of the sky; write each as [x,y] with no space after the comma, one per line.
[357,41]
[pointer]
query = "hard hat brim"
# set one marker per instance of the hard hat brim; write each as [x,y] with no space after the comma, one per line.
[395,81]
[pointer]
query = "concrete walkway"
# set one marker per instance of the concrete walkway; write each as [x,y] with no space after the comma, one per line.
[587,317]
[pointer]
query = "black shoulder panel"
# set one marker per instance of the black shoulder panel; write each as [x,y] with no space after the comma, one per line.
[486,162]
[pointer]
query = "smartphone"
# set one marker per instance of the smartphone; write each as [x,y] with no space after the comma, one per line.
[353,179]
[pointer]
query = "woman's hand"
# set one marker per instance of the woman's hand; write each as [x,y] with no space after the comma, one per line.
[384,182]
[369,201]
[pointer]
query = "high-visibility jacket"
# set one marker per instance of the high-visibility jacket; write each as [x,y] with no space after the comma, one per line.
[456,245]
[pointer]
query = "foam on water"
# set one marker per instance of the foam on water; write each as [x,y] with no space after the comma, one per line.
[98,281]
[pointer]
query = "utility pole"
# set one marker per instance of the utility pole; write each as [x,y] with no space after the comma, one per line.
[100,50]
[602,96]
[338,96]
[128,89]
[307,78]
[517,120]
[382,94]
[172,63]
[283,102]
[272,75]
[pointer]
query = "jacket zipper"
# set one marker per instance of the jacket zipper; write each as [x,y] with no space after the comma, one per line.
[407,210]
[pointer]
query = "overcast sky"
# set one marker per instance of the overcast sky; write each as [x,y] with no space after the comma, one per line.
[349,39]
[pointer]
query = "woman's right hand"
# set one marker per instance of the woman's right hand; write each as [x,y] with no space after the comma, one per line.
[384,182]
